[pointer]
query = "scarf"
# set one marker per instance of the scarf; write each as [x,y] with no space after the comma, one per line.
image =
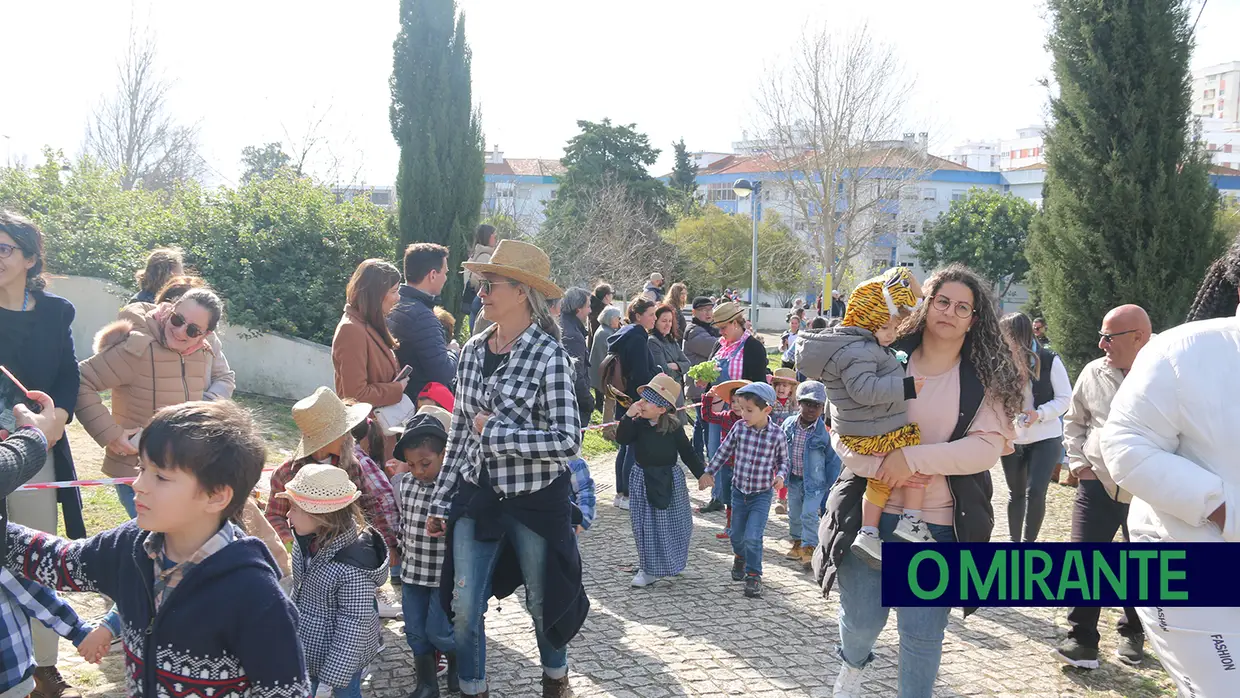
[730,358]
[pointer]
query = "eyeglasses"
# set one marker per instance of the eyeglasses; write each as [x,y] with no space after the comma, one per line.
[486,285]
[943,304]
[6,250]
[1108,336]
[191,330]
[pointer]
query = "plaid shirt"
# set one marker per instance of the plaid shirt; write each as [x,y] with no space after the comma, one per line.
[796,447]
[423,555]
[583,490]
[378,498]
[20,600]
[758,456]
[167,578]
[534,428]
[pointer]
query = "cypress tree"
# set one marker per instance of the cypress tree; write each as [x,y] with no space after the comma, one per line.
[439,184]
[1128,206]
[684,172]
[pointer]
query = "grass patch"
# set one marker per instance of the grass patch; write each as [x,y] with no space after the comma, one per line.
[592,442]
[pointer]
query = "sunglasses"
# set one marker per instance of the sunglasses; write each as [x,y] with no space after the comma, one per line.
[960,309]
[191,330]
[7,250]
[486,285]
[1108,336]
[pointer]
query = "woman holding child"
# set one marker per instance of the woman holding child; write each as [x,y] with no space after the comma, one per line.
[972,391]
[503,495]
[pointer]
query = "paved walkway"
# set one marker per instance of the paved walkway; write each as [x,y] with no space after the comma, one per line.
[698,636]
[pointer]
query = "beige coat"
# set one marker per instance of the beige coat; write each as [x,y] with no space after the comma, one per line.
[144,376]
[365,366]
[1082,428]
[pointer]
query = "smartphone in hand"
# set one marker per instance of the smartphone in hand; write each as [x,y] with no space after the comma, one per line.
[33,405]
[404,373]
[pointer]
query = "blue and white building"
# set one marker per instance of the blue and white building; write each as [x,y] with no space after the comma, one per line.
[520,188]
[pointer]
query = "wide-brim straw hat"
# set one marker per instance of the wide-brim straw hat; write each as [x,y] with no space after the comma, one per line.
[724,390]
[323,417]
[726,312]
[665,386]
[320,489]
[785,374]
[523,262]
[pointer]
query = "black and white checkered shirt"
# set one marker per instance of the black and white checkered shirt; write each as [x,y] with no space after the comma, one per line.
[534,429]
[422,555]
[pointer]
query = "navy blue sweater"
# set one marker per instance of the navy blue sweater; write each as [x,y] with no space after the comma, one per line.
[226,630]
[37,347]
[632,346]
[422,345]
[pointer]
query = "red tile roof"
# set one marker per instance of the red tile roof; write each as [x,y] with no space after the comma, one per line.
[743,164]
[539,167]
[1221,170]
[1034,166]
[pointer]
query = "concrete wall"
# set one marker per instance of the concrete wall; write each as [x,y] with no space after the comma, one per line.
[267,364]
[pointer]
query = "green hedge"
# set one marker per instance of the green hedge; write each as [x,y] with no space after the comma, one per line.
[279,251]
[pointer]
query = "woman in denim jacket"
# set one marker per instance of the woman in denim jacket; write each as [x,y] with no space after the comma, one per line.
[813,466]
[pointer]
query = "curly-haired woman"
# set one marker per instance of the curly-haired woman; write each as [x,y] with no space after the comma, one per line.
[972,392]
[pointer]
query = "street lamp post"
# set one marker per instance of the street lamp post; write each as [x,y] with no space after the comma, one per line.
[744,188]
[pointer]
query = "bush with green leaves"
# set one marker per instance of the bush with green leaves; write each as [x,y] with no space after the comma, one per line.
[280,251]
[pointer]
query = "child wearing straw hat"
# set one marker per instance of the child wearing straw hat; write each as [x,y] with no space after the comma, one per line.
[658,497]
[338,564]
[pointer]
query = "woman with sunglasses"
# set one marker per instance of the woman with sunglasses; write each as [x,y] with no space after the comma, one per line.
[36,345]
[965,408]
[152,357]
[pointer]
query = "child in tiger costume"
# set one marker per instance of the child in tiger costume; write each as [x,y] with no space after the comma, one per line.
[867,388]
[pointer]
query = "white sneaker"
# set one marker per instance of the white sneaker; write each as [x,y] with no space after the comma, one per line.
[387,609]
[641,579]
[618,501]
[624,503]
[913,530]
[870,549]
[848,682]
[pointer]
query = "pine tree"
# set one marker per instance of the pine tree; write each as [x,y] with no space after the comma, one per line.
[439,183]
[684,173]
[1128,204]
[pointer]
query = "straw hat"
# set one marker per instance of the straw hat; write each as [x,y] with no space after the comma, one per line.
[520,261]
[726,312]
[323,418]
[724,390]
[320,489]
[665,386]
[785,374]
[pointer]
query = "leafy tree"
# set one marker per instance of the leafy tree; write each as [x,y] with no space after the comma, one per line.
[985,231]
[684,172]
[716,249]
[263,163]
[439,183]
[506,227]
[603,155]
[1128,205]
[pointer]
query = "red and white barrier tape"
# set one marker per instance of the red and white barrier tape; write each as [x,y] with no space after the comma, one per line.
[109,481]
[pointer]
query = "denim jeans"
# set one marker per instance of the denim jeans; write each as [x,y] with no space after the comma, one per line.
[749,514]
[699,435]
[125,494]
[474,562]
[626,458]
[803,511]
[353,690]
[863,616]
[426,624]
[1028,473]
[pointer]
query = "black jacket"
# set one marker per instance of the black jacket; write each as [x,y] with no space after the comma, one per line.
[573,337]
[656,456]
[632,345]
[973,518]
[422,345]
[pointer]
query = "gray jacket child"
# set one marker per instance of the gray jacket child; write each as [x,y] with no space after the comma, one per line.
[866,383]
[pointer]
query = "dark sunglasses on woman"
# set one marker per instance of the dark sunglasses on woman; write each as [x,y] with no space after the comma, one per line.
[191,330]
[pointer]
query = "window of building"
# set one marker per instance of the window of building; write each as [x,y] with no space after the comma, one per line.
[1024,152]
[1037,152]
[907,263]
[1014,154]
[909,193]
[908,228]
[928,195]
[381,198]
[720,191]
[959,194]
[1208,94]
[994,160]
[1227,147]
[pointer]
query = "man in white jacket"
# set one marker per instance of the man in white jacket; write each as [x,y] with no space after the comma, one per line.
[1171,441]
[1101,507]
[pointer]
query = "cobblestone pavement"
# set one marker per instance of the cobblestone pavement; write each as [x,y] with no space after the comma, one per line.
[698,636]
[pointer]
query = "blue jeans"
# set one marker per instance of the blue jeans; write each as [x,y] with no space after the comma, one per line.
[803,511]
[125,494]
[863,616]
[426,624]
[749,514]
[699,435]
[353,690]
[626,458]
[474,562]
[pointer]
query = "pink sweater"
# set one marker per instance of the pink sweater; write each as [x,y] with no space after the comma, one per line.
[935,410]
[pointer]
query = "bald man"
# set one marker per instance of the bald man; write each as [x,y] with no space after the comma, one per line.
[1101,507]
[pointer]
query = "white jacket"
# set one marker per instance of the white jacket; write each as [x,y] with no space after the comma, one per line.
[1171,437]
[1047,424]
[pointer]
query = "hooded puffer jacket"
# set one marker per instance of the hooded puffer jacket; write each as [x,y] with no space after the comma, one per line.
[866,383]
[144,376]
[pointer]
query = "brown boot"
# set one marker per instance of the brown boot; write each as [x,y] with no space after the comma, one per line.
[1055,473]
[556,688]
[1070,481]
[795,553]
[48,683]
